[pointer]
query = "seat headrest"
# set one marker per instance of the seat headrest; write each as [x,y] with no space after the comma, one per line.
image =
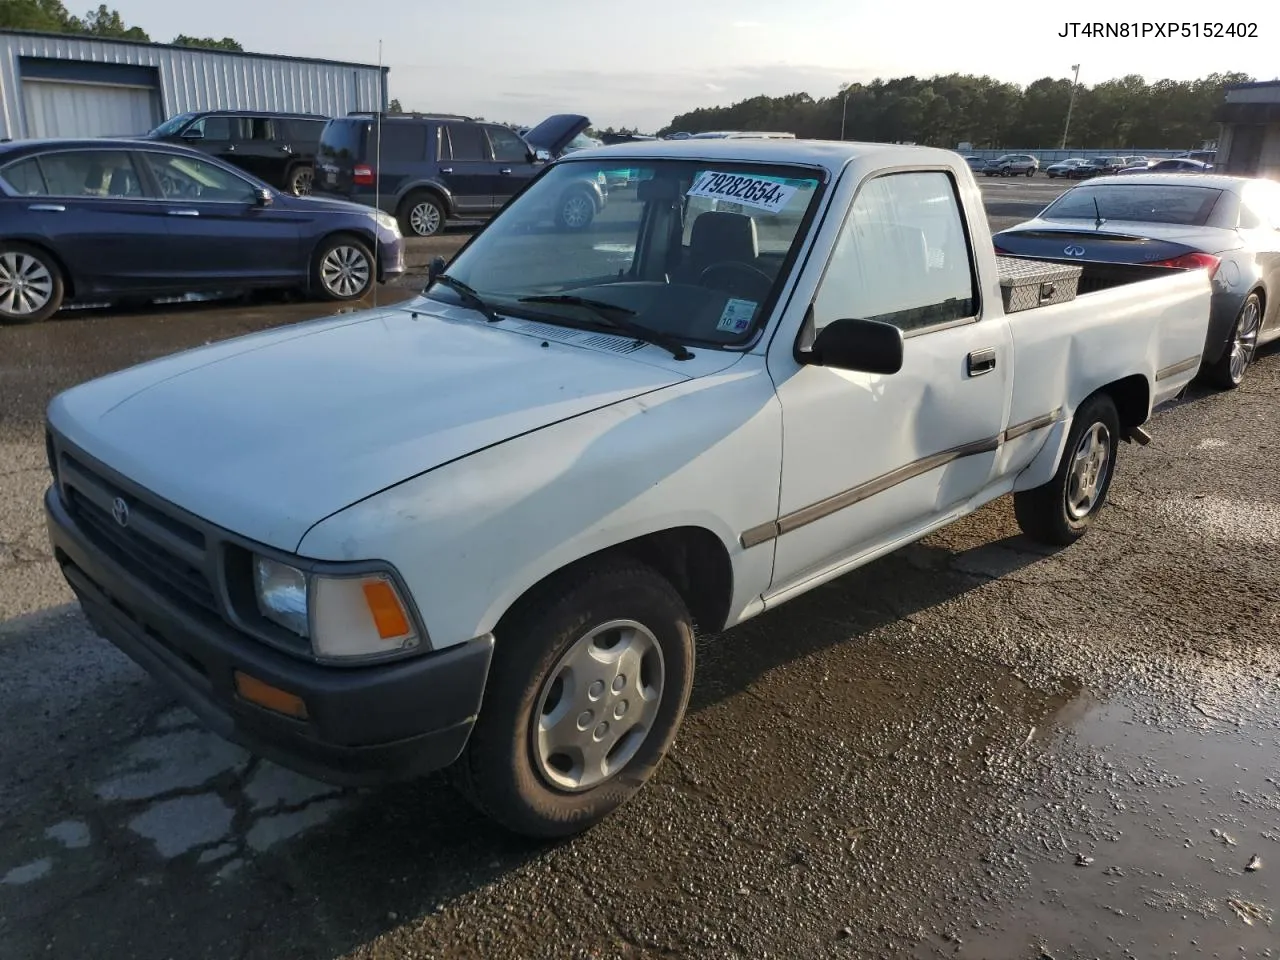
[719,236]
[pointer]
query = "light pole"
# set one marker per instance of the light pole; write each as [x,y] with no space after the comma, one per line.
[1071,103]
[844,106]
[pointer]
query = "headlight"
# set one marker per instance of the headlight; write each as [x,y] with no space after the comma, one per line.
[387,222]
[361,616]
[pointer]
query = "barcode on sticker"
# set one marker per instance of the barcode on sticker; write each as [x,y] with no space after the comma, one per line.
[759,192]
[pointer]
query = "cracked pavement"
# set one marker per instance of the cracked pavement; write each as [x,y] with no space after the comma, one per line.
[973,747]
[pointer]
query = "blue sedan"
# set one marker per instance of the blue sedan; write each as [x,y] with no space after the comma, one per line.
[102,220]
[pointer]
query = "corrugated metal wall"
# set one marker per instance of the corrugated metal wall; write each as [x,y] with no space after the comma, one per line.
[192,79]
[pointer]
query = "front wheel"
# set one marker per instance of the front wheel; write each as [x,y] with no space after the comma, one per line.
[1031,172]
[1062,510]
[1228,372]
[31,285]
[589,683]
[343,269]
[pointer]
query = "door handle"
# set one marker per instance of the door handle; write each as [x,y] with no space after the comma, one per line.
[446,169]
[231,148]
[48,208]
[184,213]
[982,361]
[505,171]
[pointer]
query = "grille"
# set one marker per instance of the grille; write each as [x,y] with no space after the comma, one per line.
[143,557]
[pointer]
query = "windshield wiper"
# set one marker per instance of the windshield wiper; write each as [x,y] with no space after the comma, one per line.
[616,316]
[469,296]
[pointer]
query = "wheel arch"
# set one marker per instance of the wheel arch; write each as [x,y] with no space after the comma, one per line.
[438,190]
[693,559]
[356,233]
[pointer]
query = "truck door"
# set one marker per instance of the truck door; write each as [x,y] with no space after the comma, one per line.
[869,458]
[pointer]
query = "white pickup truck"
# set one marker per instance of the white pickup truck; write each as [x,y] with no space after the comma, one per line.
[476,529]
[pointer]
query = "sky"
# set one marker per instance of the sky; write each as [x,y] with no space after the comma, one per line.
[638,64]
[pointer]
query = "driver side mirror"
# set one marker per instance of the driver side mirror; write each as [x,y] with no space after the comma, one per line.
[863,346]
[542,156]
[262,198]
[435,268]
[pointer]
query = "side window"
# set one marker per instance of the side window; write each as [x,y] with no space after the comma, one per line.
[257,128]
[216,128]
[468,142]
[403,140]
[302,131]
[507,147]
[25,177]
[185,178]
[90,173]
[902,257]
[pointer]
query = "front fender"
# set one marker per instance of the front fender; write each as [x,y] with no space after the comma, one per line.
[471,537]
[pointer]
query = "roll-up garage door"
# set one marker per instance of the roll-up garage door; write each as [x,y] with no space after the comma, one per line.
[60,109]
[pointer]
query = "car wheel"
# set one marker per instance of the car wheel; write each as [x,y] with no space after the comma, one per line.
[576,212]
[1031,171]
[589,683]
[1228,373]
[1062,510]
[300,181]
[31,284]
[422,215]
[343,268]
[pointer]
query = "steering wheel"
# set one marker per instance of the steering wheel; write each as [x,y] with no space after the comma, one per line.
[754,274]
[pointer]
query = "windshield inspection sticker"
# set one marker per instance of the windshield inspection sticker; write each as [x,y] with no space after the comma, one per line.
[761,192]
[736,316]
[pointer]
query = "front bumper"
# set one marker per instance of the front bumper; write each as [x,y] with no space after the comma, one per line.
[390,257]
[364,725]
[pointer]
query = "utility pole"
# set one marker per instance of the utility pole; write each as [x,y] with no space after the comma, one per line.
[1071,103]
[844,106]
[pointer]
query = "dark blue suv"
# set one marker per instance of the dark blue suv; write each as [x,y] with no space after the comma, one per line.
[440,167]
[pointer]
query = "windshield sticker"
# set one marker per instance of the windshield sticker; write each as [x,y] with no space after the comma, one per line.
[736,316]
[764,193]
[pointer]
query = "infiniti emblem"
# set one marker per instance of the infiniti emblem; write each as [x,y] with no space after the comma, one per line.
[1074,251]
[120,510]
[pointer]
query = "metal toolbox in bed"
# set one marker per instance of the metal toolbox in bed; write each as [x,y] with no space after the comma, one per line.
[1027,284]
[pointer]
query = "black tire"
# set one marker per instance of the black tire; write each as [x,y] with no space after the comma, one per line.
[38,273]
[300,179]
[332,254]
[1043,513]
[1220,373]
[576,212]
[499,770]
[422,214]
[1031,171]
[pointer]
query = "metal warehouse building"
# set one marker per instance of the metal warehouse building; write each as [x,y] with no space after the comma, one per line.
[1250,141]
[56,85]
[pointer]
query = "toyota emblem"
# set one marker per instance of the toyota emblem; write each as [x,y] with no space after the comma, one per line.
[120,510]
[1074,251]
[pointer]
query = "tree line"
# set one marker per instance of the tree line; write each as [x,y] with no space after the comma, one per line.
[945,111]
[52,16]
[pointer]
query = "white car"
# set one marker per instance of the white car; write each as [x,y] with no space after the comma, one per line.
[479,529]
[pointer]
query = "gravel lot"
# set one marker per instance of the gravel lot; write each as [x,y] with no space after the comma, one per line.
[971,748]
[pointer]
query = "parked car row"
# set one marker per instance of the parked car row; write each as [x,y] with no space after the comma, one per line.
[1229,226]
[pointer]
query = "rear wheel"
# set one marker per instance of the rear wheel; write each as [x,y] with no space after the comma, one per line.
[1228,373]
[1031,171]
[343,268]
[589,683]
[31,285]
[1062,510]
[422,215]
[300,180]
[576,211]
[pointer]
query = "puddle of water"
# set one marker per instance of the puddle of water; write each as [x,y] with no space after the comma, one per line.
[1122,855]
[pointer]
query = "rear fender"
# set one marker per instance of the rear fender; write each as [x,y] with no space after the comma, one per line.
[1045,464]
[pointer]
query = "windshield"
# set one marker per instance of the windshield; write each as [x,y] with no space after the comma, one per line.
[172,125]
[689,249]
[1147,203]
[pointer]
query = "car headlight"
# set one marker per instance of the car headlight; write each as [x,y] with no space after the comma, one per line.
[387,222]
[358,616]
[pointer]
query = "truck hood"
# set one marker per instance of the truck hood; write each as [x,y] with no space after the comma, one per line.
[268,434]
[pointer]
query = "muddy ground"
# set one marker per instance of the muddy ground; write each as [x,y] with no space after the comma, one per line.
[971,748]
